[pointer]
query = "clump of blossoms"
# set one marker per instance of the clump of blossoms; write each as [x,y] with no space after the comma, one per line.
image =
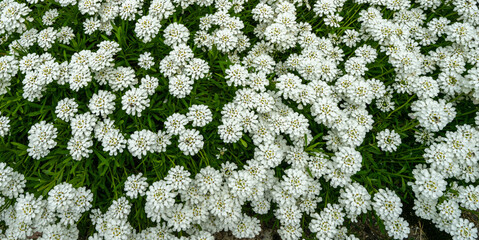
[4,125]
[182,69]
[388,140]
[325,83]
[41,139]
[55,215]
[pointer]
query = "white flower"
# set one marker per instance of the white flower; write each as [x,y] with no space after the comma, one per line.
[169,66]
[333,20]
[197,69]
[388,140]
[79,146]
[90,7]
[145,60]
[463,229]
[429,184]
[246,98]
[296,182]
[163,139]
[265,102]
[175,124]
[101,103]
[203,39]
[117,229]
[13,183]
[66,109]
[136,185]
[4,126]
[180,86]
[46,38]
[141,142]
[350,37]
[209,180]
[469,197]
[159,197]
[49,17]
[176,34]
[199,115]
[269,154]
[61,197]
[355,200]
[449,209]
[135,101]
[433,115]
[83,199]
[425,87]
[65,35]
[101,59]
[79,77]
[318,165]
[241,184]
[123,77]
[387,204]
[262,12]
[288,84]
[109,46]
[179,217]
[161,9]
[83,124]
[41,138]
[181,54]
[147,28]
[264,63]
[119,209]
[149,84]
[230,131]
[103,127]
[276,33]
[190,142]
[348,160]
[91,25]
[246,227]
[236,75]
[397,228]
[225,40]
[27,207]
[258,81]
[178,178]
[129,9]
[113,142]
[323,226]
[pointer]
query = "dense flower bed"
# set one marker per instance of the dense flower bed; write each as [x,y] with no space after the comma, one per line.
[175,119]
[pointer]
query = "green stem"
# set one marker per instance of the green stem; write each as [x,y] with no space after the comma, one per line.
[397,109]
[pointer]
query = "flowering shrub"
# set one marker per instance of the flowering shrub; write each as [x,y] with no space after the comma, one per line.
[174,119]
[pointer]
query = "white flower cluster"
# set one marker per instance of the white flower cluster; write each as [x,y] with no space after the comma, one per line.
[182,68]
[81,141]
[41,139]
[190,140]
[13,17]
[55,216]
[388,140]
[12,183]
[452,156]
[227,35]
[268,97]
[8,69]
[4,125]
[388,207]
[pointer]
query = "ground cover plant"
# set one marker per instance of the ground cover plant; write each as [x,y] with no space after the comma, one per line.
[176,119]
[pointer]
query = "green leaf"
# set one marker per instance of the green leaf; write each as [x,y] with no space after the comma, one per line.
[244,143]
